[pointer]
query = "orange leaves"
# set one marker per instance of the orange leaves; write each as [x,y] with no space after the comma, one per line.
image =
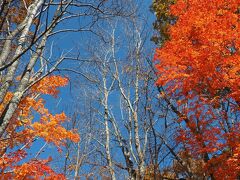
[8,160]
[51,130]
[25,106]
[32,120]
[179,8]
[198,39]
[203,52]
[6,99]
[36,169]
[49,85]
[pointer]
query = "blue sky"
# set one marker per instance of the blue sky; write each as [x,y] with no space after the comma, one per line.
[76,42]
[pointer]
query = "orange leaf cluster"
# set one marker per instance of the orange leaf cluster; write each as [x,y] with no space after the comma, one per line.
[202,55]
[31,121]
[49,85]
[34,169]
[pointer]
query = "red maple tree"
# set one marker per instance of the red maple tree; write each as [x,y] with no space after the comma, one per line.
[200,67]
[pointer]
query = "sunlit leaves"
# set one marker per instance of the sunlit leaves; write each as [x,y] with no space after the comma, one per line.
[49,85]
[25,128]
[203,51]
[199,66]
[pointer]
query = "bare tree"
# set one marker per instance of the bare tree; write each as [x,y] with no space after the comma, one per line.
[116,72]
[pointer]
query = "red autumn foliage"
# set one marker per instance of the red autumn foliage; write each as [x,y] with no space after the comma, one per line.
[200,67]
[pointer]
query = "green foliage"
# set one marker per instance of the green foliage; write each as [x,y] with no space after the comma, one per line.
[163,20]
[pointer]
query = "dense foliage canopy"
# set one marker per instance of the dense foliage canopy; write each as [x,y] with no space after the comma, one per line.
[199,67]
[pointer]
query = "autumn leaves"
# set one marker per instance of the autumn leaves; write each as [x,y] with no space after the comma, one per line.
[25,128]
[199,67]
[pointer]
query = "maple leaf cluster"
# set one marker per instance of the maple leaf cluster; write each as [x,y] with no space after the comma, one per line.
[26,127]
[200,68]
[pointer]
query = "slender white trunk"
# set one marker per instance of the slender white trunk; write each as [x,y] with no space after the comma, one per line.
[32,11]
[107,132]
[11,107]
